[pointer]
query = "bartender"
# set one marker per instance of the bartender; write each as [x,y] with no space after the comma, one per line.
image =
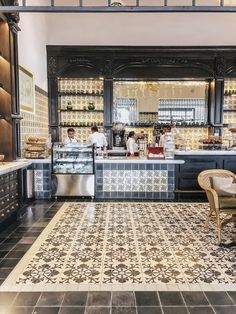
[97,138]
[70,140]
[176,133]
[165,129]
[131,144]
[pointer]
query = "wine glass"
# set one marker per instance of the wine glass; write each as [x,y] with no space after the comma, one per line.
[1,158]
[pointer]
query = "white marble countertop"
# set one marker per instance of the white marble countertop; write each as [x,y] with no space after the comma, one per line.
[7,167]
[41,161]
[133,160]
[206,152]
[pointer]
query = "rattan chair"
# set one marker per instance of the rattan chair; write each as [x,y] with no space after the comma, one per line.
[224,207]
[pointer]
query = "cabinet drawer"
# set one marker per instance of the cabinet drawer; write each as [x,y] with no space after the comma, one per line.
[4,179]
[13,206]
[5,201]
[13,185]
[4,189]
[13,197]
[4,213]
[13,175]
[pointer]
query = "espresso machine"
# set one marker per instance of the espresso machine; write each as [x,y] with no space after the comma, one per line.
[118,136]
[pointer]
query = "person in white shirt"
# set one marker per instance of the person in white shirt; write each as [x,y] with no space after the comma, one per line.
[70,140]
[96,138]
[131,144]
[176,133]
[165,129]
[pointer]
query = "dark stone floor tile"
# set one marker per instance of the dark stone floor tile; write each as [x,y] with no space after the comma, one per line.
[97,310]
[149,310]
[7,298]
[1,282]
[225,309]
[171,298]
[200,310]
[3,253]
[15,254]
[4,272]
[232,295]
[21,310]
[27,299]
[195,298]
[99,298]
[27,240]
[218,298]
[37,229]
[6,247]
[22,247]
[175,310]
[75,298]
[72,310]
[148,298]
[22,228]
[123,310]
[9,262]
[50,299]
[46,310]
[11,240]
[32,234]
[123,298]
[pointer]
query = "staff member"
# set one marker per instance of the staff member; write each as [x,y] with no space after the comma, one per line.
[131,144]
[176,133]
[96,138]
[165,129]
[70,139]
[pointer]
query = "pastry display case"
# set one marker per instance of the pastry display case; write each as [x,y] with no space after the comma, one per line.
[73,169]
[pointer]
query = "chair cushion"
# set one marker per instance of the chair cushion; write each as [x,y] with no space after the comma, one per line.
[224,186]
[227,203]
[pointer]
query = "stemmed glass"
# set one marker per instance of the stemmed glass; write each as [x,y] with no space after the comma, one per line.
[2,158]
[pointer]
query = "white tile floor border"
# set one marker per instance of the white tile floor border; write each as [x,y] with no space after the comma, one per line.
[10,283]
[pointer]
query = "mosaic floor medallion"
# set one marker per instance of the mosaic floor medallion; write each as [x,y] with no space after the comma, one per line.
[127,246]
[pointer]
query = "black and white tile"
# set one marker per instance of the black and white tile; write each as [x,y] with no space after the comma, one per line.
[122,246]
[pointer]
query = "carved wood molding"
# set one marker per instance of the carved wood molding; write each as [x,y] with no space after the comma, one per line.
[165,61]
[220,66]
[52,66]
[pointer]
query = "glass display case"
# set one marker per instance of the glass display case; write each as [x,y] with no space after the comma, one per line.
[73,169]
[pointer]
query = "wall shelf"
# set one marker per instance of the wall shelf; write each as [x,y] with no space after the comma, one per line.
[79,126]
[80,94]
[81,110]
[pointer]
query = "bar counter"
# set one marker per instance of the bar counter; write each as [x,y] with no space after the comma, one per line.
[134,178]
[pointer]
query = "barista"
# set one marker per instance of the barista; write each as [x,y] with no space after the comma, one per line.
[131,144]
[165,129]
[70,139]
[97,138]
[176,133]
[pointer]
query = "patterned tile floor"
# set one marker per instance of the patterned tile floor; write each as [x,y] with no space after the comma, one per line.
[18,238]
[127,246]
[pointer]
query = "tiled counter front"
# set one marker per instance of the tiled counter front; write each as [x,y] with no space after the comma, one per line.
[42,178]
[135,179]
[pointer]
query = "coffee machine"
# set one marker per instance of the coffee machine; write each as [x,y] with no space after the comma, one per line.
[118,136]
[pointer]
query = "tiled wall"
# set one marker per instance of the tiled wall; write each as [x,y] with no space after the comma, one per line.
[35,124]
[42,180]
[135,181]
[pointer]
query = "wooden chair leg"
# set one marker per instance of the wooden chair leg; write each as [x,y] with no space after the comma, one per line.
[218,224]
[208,218]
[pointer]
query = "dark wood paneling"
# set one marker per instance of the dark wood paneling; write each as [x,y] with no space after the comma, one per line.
[186,174]
[152,63]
